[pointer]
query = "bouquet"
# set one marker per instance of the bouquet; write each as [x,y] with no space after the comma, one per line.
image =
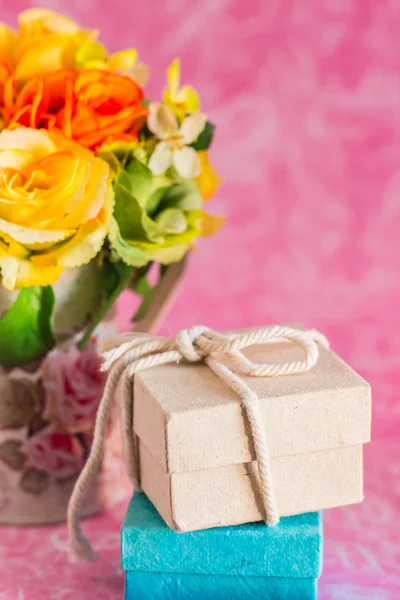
[99,187]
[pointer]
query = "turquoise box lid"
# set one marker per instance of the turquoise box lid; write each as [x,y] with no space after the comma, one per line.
[293,548]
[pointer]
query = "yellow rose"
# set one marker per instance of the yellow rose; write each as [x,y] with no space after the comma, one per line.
[46,42]
[56,201]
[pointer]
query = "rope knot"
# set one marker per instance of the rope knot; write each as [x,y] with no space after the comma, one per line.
[187,343]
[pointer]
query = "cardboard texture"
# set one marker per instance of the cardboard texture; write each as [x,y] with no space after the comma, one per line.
[291,549]
[228,495]
[235,563]
[196,450]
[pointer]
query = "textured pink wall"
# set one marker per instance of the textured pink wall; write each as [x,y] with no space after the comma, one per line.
[306,96]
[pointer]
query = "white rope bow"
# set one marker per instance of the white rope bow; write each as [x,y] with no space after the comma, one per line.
[128,354]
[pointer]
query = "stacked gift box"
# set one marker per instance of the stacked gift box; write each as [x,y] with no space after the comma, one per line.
[198,530]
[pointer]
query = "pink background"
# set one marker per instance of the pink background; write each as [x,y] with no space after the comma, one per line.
[306,96]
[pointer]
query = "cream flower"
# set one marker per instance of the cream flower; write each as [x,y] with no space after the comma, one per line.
[173,149]
[181,99]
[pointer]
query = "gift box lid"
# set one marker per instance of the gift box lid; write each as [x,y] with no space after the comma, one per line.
[190,420]
[293,548]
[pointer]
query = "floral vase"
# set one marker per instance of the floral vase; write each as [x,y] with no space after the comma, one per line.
[47,413]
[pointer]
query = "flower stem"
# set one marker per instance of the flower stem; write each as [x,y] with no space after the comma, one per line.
[123,274]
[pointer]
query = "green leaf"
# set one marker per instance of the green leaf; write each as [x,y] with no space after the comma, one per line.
[168,254]
[172,220]
[141,285]
[141,180]
[143,184]
[138,254]
[122,150]
[155,218]
[155,200]
[111,159]
[204,140]
[26,330]
[184,195]
[136,189]
[130,253]
[116,278]
[129,214]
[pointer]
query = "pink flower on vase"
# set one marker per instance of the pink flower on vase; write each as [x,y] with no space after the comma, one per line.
[73,385]
[55,452]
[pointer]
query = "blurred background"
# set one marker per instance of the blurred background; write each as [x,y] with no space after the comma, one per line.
[306,98]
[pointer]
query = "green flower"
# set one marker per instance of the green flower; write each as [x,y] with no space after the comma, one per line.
[156,217]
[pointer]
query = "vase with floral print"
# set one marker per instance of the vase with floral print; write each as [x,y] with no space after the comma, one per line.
[47,414]
[46,424]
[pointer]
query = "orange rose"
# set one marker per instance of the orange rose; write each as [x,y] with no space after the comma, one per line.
[92,106]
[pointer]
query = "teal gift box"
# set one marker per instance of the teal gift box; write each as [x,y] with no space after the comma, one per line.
[235,563]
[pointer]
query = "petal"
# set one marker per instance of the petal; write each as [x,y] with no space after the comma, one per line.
[83,198]
[38,59]
[161,120]
[123,62]
[8,39]
[186,162]
[192,126]
[161,159]
[208,180]
[37,143]
[173,77]
[46,19]
[140,73]
[90,52]
[85,244]
[14,159]
[27,235]
[188,98]
[17,272]
[211,224]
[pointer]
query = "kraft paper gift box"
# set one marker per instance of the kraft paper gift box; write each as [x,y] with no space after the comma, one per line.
[235,563]
[195,448]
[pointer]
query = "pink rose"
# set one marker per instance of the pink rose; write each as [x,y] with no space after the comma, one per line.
[55,452]
[73,385]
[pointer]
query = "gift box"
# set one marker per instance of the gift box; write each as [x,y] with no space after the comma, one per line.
[235,563]
[197,460]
